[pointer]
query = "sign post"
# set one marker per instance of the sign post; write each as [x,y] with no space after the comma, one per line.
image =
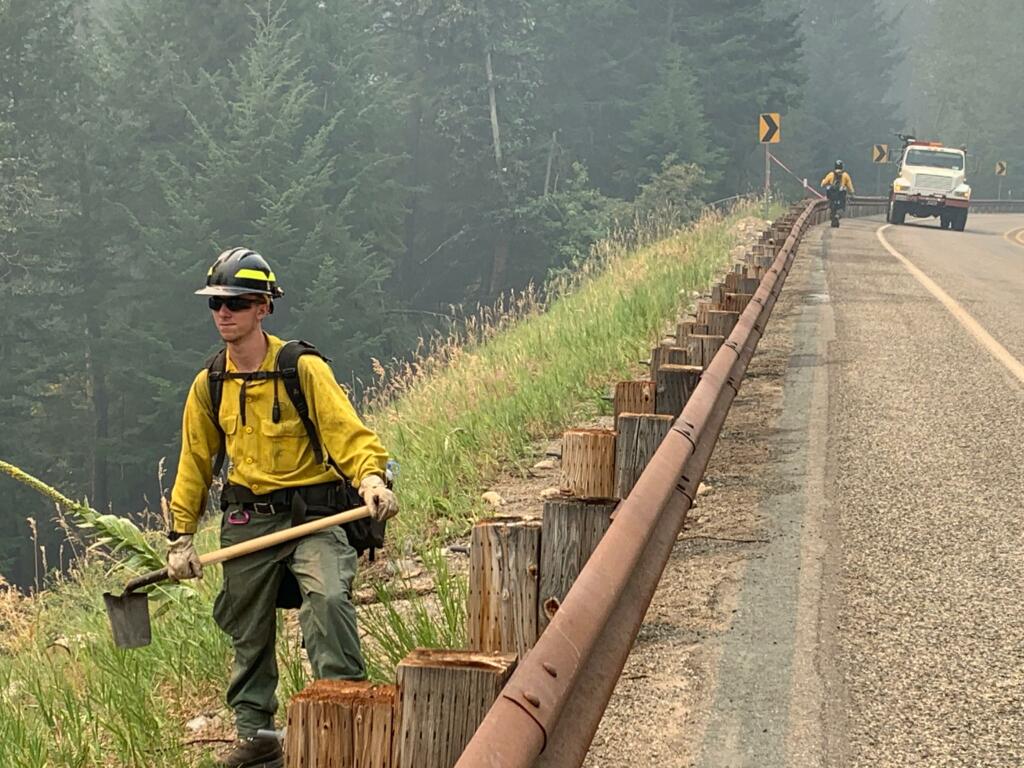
[769,131]
[1001,173]
[879,156]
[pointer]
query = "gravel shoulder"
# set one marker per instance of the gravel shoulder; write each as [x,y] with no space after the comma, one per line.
[661,708]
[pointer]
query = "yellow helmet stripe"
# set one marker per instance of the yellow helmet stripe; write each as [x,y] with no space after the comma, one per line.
[255,274]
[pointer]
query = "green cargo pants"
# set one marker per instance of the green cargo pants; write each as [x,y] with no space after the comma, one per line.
[324,565]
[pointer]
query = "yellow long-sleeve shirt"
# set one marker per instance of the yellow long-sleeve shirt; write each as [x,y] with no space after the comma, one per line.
[846,182]
[266,456]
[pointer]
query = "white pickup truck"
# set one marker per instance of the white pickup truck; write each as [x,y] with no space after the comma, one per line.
[932,181]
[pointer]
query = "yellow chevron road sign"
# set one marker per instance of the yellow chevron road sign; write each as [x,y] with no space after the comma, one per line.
[880,153]
[1001,168]
[769,129]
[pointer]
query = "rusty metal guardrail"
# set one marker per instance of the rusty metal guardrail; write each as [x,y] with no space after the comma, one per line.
[997,206]
[873,206]
[549,711]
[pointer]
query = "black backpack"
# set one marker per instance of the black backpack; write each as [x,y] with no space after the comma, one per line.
[364,534]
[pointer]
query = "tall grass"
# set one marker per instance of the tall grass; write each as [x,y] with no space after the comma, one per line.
[531,371]
[476,402]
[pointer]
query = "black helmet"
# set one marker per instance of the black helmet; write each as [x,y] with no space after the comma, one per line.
[238,271]
[839,165]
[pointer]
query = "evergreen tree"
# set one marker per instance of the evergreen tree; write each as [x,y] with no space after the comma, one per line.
[264,177]
[747,61]
[963,99]
[669,123]
[850,55]
[58,287]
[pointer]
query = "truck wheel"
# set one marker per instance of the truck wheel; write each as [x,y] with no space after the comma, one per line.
[959,221]
[897,213]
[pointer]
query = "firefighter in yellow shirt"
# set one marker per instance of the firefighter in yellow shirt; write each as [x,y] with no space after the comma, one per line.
[284,465]
[837,182]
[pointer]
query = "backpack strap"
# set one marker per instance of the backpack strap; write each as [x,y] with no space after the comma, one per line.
[287,368]
[215,366]
[288,364]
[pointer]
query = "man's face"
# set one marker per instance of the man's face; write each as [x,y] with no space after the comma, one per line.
[245,318]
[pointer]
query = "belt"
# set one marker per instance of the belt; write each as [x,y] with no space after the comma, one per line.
[320,495]
[321,499]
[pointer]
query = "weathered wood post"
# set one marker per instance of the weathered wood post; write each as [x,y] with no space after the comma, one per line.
[634,397]
[675,385]
[656,358]
[504,563]
[701,349]
[341,723]
[570,532]
[737,302]
[721,322]
[686,329]
[674,356]
[639,437]
[749,285]
[588,463]
[443,697]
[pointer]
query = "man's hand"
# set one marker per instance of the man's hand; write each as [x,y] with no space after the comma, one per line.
[182,560]
[378,497]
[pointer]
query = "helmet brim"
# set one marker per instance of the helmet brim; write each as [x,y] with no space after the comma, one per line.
[228,290]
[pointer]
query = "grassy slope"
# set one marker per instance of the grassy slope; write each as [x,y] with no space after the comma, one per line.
[67,698]
[492,402]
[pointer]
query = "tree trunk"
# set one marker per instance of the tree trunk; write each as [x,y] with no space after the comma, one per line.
[499,265]
[551,160]
[100,496]
[499,160]
[407,276]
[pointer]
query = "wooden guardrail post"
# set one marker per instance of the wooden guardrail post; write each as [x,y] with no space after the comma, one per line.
[721,322]
[588,463]
[688,328]
[701,349]
[675,384]
[737,302]
[571,530]
[639,437]
[634,397]
[504,582]
[443,697]
[341,723]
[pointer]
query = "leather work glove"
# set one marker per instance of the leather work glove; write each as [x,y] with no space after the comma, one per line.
[182,559]
[378,497]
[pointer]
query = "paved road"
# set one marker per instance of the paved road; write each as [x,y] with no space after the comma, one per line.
[883,623]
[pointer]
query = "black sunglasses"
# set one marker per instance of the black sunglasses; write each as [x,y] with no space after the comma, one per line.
[233,303]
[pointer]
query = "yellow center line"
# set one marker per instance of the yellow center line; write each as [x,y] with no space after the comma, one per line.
[983,337]
[1015,235]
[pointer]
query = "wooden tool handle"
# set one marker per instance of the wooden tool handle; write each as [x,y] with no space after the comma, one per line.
[272,539]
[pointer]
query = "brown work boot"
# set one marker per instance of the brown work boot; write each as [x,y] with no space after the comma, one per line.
[256,752]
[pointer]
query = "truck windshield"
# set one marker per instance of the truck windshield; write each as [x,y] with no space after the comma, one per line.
[952,160]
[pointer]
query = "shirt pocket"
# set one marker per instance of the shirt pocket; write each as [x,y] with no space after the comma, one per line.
[284,445]
[229,426]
